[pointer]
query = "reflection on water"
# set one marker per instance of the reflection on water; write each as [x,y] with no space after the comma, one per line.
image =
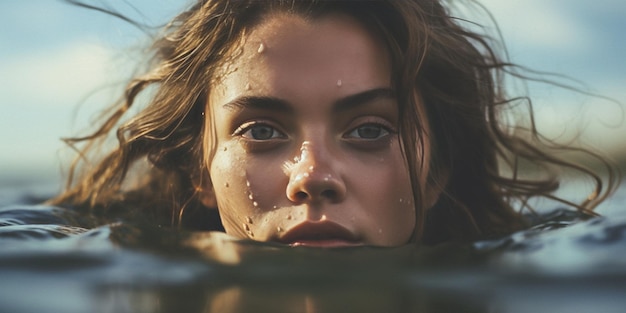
[49,262]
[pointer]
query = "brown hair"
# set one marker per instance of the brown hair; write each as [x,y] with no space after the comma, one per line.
[453,71]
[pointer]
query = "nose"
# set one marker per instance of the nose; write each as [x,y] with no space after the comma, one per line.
[312,177]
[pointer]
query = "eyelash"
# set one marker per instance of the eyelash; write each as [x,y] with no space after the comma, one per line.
[381,128]
[382,124]
[248,127]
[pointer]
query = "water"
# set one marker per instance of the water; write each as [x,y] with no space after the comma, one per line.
[54,260]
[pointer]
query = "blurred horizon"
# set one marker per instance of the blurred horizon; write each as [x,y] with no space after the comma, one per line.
[61,64]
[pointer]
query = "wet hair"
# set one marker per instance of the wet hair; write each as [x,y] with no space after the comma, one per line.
[477,154]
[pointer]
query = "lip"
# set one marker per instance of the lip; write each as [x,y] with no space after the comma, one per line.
[324,234]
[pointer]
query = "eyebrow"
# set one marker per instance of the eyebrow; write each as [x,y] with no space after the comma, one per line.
[356,100]
[259,103]
[268,103]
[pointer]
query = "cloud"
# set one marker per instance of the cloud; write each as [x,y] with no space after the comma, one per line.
[578,39]
[59,76]
[40,93]
[535,24]
[597,121]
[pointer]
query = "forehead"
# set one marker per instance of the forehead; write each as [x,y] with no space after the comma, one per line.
[330,36]
[292,45]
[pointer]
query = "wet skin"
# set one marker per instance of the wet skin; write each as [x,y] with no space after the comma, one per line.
[306,143]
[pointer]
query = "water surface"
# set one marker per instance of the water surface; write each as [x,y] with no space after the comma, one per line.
[49,262]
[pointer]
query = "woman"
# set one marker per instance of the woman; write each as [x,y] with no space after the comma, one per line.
[321,123]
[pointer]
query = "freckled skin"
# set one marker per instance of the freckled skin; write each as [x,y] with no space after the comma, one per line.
[316,165]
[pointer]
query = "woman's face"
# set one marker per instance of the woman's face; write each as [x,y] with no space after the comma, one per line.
[307,149]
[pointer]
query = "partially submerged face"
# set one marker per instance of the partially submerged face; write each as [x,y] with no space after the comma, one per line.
[306,144]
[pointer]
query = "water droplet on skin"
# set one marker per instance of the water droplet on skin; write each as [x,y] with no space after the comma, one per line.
[339,83]
[226,185]
[279,229]
[305,174]
[246,227]
[287,167]
[261,48]
[401,200]
[225,148]
[325,178]
[250,197]
[249,220]
[255,204]
[247,183]
[248,87]
[380,230]
[311,168]
[275,207]
[289,217]
[251,234]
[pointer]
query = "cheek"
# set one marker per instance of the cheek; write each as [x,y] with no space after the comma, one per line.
[227,169]
[229,183]
[267,185]
[398,215]
[387,194]
[246,188]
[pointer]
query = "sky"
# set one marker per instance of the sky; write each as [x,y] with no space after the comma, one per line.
[60,65]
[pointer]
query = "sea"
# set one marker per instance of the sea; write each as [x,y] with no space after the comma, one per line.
[51,263]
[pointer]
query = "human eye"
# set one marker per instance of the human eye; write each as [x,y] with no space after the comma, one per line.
[368,131]
[258,131]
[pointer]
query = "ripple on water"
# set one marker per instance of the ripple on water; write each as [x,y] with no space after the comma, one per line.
[563,263]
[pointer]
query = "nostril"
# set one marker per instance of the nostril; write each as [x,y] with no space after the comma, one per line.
[301,195]
[329,194]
